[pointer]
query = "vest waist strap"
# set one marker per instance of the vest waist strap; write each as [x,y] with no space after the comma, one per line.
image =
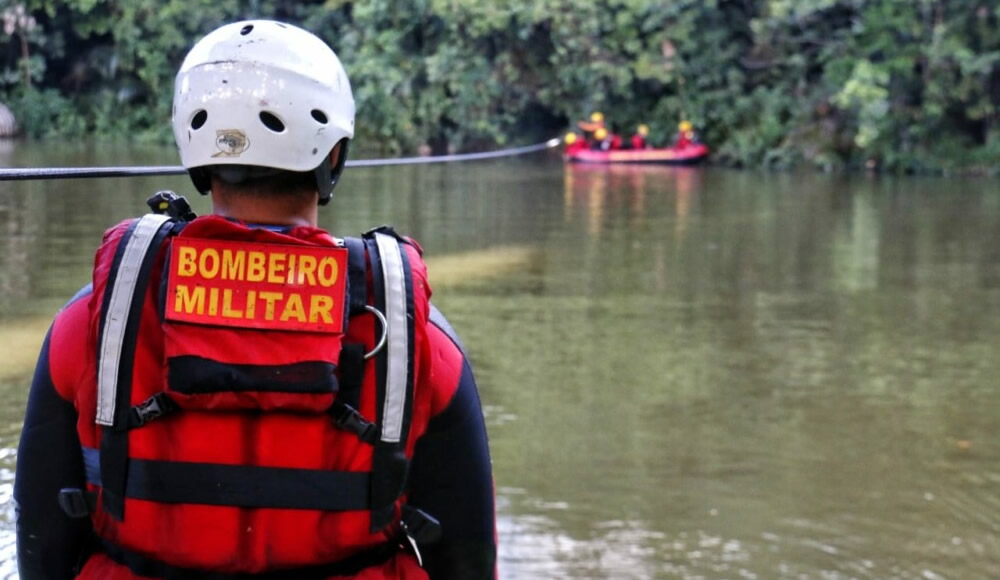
[149,567]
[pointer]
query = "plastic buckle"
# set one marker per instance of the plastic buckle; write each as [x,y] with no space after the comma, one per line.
[419,525]
[348,418]
[77,503]
[169,203]
[150,409]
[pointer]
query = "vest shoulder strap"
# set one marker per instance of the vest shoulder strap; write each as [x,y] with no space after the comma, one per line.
[131,255]
[121,311]
[392,289]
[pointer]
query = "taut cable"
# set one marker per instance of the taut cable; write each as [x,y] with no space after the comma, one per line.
[30,173]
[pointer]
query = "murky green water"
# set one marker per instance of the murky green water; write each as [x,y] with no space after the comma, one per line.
[686,373]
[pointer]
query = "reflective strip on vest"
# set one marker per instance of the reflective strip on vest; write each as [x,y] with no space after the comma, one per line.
[398,359]
[116,318]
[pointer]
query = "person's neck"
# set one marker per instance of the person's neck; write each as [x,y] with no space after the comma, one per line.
[277,210]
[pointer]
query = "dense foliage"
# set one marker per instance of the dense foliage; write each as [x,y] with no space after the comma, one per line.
[906,85]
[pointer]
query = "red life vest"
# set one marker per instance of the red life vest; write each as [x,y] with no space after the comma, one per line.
[256,400]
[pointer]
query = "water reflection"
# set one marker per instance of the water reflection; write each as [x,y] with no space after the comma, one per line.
[686,372]
[20,234]
[627,187]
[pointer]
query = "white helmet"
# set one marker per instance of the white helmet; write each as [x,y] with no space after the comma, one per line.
[262,94]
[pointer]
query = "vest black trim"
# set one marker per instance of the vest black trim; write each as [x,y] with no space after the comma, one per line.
[352,362]
[238,485]
[196,375]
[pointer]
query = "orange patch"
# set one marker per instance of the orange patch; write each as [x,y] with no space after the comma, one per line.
[254,285]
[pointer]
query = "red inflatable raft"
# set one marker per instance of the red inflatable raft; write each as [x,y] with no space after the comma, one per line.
[687,155]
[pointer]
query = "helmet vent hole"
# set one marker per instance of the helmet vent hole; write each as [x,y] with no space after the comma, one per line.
[198,121]
[246,29]
[272,122]
[320,116]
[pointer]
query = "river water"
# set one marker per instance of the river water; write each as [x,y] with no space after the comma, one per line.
[686,373]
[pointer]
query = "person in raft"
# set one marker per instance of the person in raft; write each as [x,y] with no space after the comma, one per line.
[594,123]
[242,395]
[685,135]
[639,139]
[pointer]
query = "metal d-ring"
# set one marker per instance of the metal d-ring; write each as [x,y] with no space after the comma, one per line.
[385,331]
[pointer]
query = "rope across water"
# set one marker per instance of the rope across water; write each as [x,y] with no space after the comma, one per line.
[29,173]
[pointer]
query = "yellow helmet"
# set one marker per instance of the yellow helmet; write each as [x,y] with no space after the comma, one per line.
[597,117]
[643,130]
[570,138]
[600,134]
[685,126]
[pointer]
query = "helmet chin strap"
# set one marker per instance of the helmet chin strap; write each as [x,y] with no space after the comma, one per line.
[202,179]
[327,177]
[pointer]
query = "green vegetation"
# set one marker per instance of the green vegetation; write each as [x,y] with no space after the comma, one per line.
[902,85]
